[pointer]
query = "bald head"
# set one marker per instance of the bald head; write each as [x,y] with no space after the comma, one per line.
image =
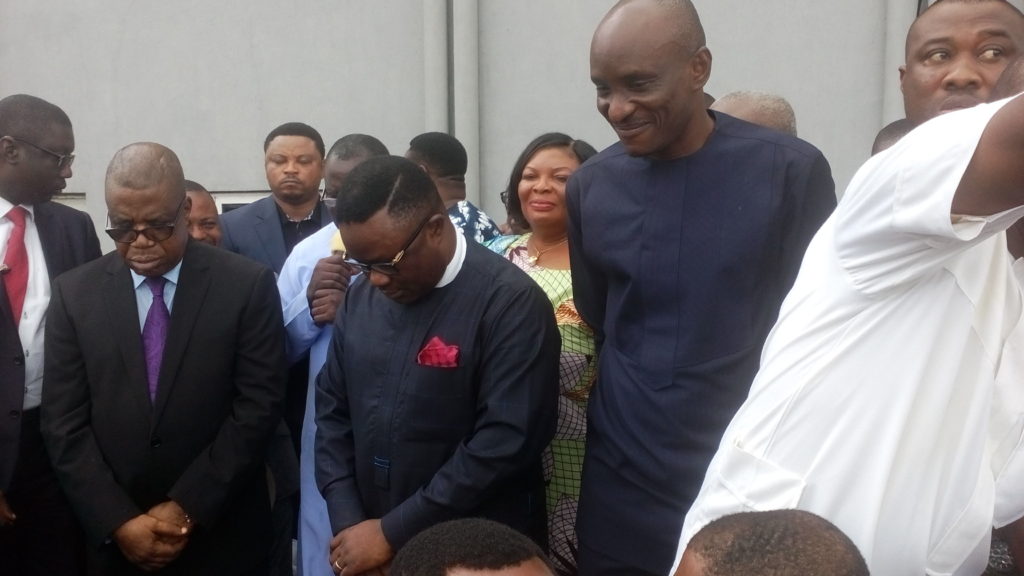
[649,64]
[761,108]
[146,165]
[679,16]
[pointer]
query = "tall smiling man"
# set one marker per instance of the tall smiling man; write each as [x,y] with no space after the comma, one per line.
[889,399]
[685,236]
[164,380]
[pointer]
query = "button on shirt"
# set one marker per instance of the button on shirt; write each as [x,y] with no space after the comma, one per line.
[144,298]
[37,297]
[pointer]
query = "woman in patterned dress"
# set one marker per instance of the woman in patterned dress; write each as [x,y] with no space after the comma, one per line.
[536,205]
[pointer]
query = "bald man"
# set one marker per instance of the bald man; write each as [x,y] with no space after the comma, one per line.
[164,379]
[685,237]
[761,108]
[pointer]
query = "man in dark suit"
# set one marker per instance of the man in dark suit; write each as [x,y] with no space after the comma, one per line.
[269,228]
[36,144]
[441,385]
[266,231]
[164,380]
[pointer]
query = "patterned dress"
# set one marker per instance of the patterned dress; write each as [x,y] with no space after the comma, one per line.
[563,461]
[473,222]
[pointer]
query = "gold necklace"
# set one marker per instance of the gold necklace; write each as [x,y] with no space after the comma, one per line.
[532,259]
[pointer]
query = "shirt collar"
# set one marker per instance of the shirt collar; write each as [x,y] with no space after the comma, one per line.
[455,265]
[171,275]
[6,206]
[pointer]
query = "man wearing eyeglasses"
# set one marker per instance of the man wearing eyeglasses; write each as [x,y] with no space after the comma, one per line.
[165,376]
[39,240]
[439,392]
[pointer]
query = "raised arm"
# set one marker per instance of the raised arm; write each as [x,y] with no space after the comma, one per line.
[994,179]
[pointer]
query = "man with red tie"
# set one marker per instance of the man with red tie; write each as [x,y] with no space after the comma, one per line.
[39,239]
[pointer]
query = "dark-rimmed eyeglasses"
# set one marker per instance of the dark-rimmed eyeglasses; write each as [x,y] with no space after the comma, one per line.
[63,160]
[390,268]
[157,233]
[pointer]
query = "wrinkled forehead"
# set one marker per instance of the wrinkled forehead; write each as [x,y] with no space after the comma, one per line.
[640,31]
[966,21]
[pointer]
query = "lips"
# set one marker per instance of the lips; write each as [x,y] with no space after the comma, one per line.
[959,102]
[541,206]
[626,131]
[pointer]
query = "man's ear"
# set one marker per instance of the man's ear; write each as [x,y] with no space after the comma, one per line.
[903,73]
[700,66]
[9,151]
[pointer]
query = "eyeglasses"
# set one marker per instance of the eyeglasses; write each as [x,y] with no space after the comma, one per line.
[157,233]
[63,160]
[389,268]
[504,197]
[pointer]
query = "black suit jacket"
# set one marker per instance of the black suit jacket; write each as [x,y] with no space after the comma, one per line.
[203,442]
[68,239]
[255,231]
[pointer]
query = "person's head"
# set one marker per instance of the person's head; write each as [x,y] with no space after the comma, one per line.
[147,208]
[36,145]
[203,221]
[890,134]
[293,155]
[649,65]
[444,158]
[470,547]
[777,542]
[347,153]
[761,108]
[955,52]
[1011,82]
[538,180]
[394,227]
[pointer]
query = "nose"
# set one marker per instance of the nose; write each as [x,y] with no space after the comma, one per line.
[963,74]
[378,279]
[142,241]
[65,172]
[615,107]
[291,167]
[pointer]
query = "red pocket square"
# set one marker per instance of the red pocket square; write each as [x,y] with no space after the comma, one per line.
[438,354]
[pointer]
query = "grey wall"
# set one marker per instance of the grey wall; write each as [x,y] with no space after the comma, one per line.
[210,79]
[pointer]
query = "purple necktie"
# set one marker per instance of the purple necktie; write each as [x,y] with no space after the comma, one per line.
[154,333]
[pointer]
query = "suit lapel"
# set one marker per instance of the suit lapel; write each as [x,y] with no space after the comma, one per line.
[123,314]
[193,283]
[268,230]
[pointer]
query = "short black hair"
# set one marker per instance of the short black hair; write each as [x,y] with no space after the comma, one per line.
[296,129]
[354,145]
[386,181]
[581,149]
[441,152]
[941,2]
[471,543]
[24,116]
[776,542]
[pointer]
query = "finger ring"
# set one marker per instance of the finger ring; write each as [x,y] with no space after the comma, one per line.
[338,566]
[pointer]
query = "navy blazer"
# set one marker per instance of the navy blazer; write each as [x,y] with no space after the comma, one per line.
[202,443]
[255,231]
[68,239]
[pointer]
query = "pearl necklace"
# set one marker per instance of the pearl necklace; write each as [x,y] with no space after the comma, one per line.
[532,259]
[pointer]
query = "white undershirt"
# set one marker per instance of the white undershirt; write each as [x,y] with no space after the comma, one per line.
[37,297]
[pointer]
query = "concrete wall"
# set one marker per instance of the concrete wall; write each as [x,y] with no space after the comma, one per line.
[210,79]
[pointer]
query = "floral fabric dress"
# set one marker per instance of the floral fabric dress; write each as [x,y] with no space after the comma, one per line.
[563,461]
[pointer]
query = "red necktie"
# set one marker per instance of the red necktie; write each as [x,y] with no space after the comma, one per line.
[16,263]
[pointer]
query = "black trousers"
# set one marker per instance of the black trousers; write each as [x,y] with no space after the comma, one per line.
[45,538]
